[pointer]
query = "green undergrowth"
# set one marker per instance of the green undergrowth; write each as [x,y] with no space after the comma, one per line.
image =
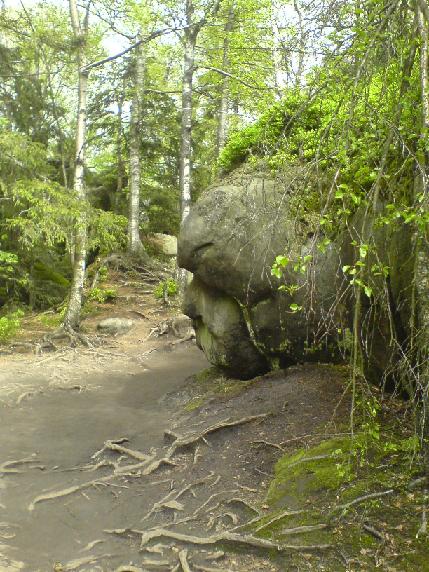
[322,488]
[10,325]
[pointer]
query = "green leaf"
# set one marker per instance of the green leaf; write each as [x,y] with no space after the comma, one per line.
[282,261]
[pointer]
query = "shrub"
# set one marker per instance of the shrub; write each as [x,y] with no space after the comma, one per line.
[10,324]
[103,295]
[170,284]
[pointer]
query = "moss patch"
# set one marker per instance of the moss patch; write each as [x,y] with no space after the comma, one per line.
[323,467]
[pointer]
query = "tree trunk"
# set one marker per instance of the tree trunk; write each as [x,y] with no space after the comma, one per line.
[135,245]
[72,317]
[119,155]
[421,250]
[186,126]
[301,45]
[222,130]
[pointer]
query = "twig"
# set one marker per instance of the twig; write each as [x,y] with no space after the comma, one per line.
[370,496]
[374,532]
[268,443]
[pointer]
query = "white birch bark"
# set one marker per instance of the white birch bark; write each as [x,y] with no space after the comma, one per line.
[72,316]
[135,245]
[186,126]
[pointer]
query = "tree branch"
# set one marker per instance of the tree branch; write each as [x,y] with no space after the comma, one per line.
[234,77]
[144,40]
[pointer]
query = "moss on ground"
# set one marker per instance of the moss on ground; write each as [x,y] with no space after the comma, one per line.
[312,486]
[323,467]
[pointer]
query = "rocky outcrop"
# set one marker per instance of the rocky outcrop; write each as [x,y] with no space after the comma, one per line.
[243,322]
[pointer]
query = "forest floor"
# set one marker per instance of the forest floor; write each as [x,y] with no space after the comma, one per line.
[133,455]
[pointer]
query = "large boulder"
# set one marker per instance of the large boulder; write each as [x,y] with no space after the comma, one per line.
[243,321]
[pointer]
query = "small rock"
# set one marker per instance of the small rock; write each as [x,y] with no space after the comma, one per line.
[115,326]
[181,326]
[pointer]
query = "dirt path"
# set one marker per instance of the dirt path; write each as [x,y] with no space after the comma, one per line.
[132,456]
[65,507]
[58,431]
[214,483]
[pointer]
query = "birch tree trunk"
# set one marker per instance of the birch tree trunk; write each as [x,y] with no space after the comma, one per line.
[301,45]
[72,316]
[186,126]
[222,131]
[119,154]
[135,245]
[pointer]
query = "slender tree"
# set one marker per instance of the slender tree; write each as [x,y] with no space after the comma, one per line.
[222,129]
[135,245]
[80,33]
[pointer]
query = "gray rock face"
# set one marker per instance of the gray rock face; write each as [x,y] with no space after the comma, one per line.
[243,322]
[115,326]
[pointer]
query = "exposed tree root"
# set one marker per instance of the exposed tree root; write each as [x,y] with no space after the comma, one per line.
[183,558]
[278,517]
[7,467]
[171,499]
[225,536]
[115,445]
[136,470]
[75,564]
[147,466]
[187,440]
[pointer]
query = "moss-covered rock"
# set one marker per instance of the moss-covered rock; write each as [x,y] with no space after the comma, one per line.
[304,309]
